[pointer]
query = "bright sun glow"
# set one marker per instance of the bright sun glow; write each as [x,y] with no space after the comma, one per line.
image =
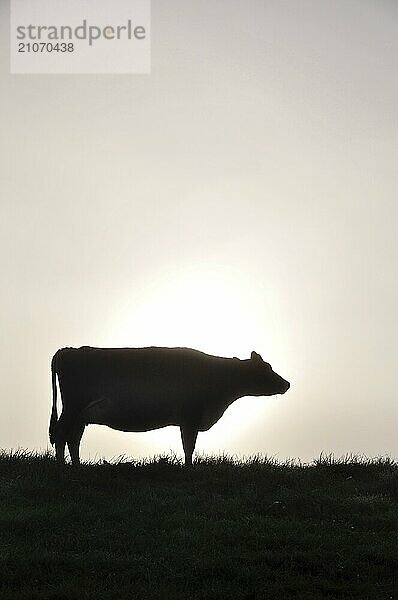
[221,310]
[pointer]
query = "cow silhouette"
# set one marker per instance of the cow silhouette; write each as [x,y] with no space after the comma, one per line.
[139,389]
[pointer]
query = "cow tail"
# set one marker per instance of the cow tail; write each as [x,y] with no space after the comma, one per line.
[54,414]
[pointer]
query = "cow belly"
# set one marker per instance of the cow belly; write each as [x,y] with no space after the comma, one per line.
[132,416]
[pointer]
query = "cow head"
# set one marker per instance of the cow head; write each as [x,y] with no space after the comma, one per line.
[263,381]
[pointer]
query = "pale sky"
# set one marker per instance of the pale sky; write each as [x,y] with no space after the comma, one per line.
[243,196]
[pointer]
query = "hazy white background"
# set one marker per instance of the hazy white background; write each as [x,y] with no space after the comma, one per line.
[243,196]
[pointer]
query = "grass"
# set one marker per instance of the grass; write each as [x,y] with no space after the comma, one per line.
[225,529]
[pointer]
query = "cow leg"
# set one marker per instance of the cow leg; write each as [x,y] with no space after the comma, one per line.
[73,442]
[63,427]
[188,436]
[60,451]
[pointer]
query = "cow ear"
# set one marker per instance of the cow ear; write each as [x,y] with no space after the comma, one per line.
[255,356]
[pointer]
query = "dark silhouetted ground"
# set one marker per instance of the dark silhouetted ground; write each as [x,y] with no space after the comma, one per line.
[225,529]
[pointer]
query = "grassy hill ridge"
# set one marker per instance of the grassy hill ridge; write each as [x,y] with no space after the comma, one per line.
[225,529]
